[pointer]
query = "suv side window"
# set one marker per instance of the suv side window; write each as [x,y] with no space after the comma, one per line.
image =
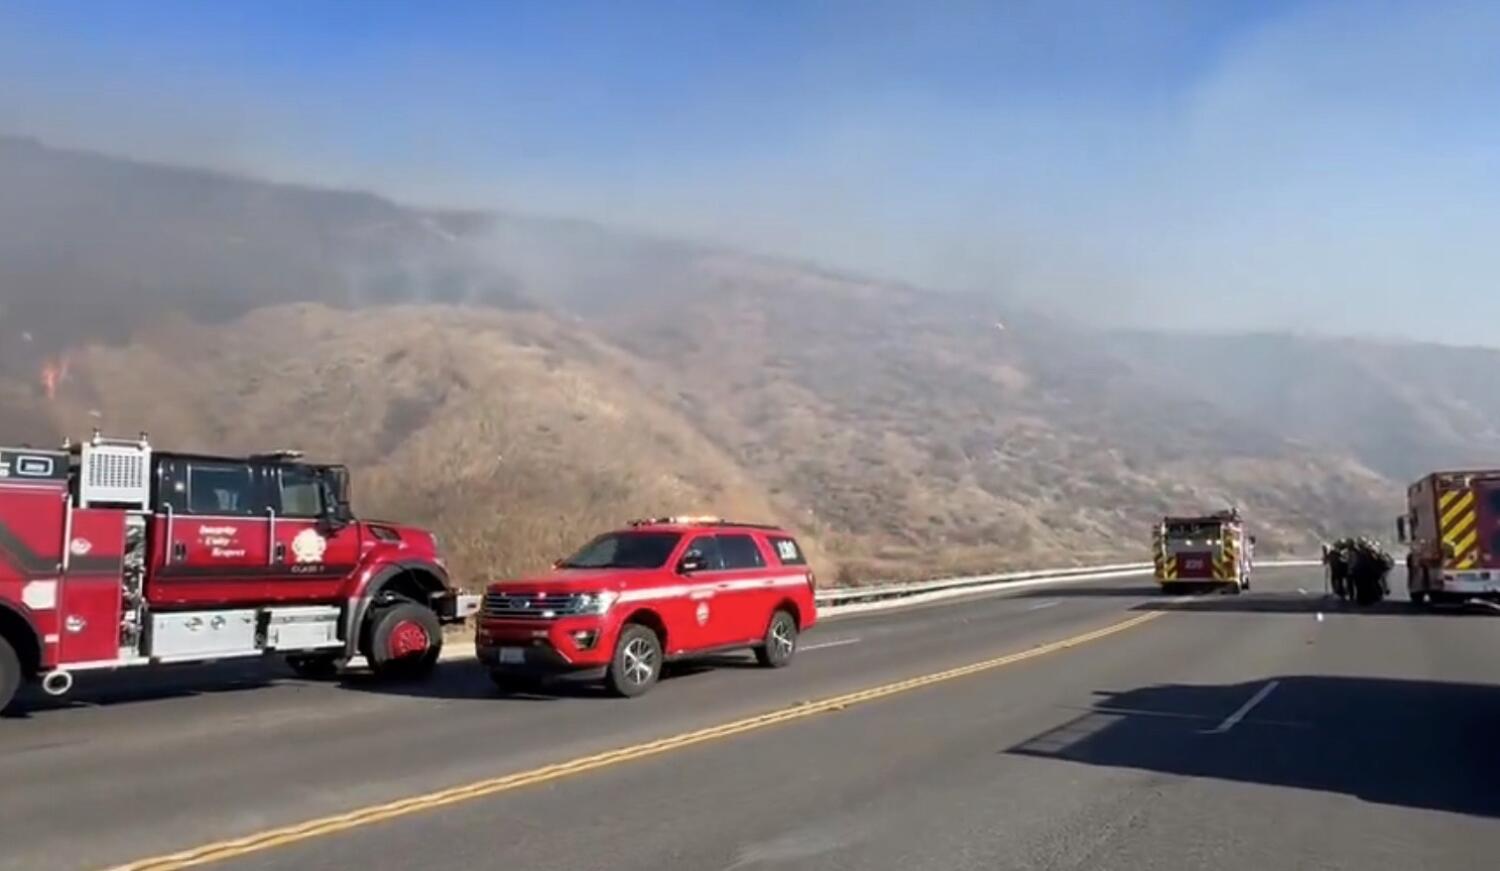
[301,493]
[740,552]
[787,551]
[222,488]
[708,546]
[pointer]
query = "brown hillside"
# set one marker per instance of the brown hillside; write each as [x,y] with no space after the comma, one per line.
[512,437]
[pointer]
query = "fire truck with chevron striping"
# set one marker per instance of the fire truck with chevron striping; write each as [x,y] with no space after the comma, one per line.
[1210,550]
[1452,530]
[114,555]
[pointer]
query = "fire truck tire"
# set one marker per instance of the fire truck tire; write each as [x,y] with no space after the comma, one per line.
[780,643]
[636,666]
[314,666]
[405,640]
[10,674]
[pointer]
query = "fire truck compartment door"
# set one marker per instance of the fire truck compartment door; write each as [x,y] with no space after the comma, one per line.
[187,634]
[91,587]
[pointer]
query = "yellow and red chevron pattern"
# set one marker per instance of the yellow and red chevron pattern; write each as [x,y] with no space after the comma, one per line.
[1227,568]
[1458,523]
[1166,564]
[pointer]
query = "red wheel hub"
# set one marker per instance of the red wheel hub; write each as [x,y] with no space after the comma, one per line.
[408,638]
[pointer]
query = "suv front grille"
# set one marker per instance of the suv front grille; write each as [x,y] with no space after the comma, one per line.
[531,606]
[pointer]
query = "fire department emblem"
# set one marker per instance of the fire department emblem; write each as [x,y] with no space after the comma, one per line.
[80,547]
[309,546]
[702,613]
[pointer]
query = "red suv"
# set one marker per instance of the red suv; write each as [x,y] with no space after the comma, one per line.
[659,590]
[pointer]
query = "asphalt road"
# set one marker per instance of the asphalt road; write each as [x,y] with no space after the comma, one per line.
[1238,732]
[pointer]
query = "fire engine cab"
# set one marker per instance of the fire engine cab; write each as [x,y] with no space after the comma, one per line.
[114,555]
[658,590]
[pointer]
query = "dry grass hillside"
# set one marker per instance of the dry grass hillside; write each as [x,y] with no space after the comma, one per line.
[518,383]
[1401,408]
[924,429]
[512,437]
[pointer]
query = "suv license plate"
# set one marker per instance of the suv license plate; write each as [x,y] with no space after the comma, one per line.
[512,655]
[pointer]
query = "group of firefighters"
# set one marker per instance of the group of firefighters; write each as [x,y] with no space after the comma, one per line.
[1357,569]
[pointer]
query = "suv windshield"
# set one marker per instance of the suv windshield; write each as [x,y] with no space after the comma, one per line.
[625,550]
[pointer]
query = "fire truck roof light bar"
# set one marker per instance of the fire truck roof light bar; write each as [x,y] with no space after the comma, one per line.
[282,456]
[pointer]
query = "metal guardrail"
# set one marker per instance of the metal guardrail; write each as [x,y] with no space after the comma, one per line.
[835,597]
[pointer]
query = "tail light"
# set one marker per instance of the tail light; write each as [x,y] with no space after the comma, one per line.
[812,580]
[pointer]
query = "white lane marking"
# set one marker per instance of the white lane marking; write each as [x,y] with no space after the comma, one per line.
[842,642]
[1233,719]
[1040,605]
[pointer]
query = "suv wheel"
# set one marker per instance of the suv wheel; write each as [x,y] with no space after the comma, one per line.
[780,643]
[405,640]
[637,663]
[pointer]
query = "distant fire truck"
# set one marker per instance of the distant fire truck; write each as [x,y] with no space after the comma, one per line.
[1203,550]
[1452,529]
[114,555]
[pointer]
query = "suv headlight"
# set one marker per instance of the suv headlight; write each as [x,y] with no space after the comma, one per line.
[596,603]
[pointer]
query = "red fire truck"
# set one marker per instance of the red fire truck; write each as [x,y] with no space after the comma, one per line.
[1203,550]
[115,555]
[1452,527]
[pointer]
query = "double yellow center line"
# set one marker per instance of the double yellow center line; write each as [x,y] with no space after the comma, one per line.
[365,816]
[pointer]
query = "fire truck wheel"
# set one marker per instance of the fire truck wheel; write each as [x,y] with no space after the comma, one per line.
[314,666]
[10,673]
[637,663]
[780,644]
[405,640]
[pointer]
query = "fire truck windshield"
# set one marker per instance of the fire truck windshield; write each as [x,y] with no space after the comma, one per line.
[1206,530]
[625,550]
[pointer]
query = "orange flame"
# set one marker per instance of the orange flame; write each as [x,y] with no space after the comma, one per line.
[54,372]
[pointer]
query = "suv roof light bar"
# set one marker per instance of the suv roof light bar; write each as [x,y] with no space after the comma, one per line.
[699,521]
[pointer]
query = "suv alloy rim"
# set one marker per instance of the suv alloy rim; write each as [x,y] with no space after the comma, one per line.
[640,661]
[781,637]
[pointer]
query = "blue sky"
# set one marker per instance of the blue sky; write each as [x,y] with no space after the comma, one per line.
[1290,165]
